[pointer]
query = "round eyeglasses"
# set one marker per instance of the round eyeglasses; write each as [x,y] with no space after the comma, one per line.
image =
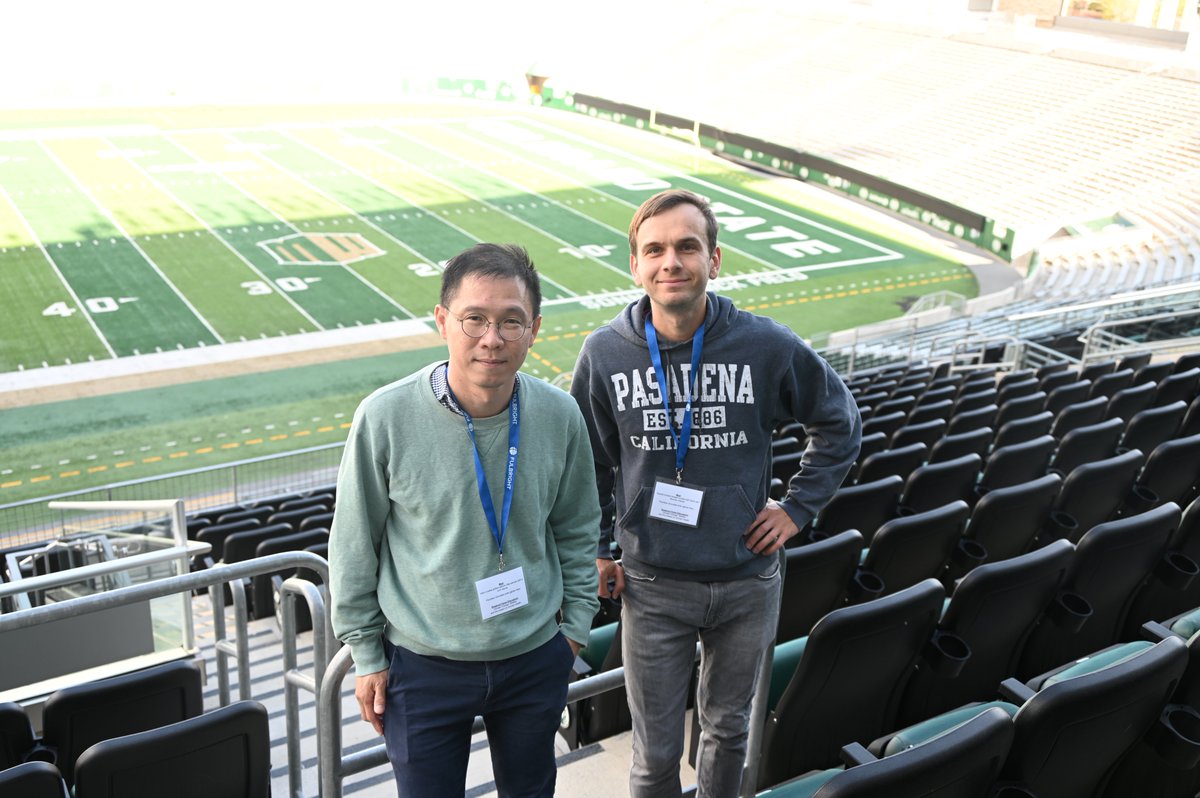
[476,326]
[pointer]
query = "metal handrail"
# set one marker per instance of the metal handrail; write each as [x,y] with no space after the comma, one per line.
[333,767]
[212,578]
[85,572]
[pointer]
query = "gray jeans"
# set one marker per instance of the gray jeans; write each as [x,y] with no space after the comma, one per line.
[661,621]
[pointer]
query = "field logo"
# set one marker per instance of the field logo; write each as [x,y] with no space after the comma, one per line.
[321,249]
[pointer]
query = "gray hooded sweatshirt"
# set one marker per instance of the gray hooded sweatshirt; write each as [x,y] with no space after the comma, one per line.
[754,375]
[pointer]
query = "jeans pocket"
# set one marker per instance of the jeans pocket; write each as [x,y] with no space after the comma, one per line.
[638,577]
[772,573]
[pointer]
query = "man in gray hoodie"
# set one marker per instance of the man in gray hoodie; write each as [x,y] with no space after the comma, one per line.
[681,393]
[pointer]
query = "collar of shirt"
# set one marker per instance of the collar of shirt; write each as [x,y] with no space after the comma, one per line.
[441,388]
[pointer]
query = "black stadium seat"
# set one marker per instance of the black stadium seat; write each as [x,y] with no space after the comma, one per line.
[77,717]
[864,507]
[225,753]
[961,762]
[1111,563]
[33,780]
[843,682]
[992,610]
[815,581]
[906,550]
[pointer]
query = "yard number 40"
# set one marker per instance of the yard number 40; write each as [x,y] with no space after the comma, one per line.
[94,304]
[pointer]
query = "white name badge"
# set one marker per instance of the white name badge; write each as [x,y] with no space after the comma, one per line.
[677,504]
[502,593]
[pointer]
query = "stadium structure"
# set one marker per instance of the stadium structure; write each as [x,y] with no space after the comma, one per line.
[985,214]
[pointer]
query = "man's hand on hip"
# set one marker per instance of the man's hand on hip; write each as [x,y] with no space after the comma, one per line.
[771,528]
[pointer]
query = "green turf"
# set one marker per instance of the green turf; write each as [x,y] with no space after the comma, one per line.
[200,214]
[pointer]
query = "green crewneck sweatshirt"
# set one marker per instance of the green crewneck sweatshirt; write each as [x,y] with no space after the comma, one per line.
[410,538]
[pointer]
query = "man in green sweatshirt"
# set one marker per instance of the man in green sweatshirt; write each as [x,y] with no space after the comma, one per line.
[462,549]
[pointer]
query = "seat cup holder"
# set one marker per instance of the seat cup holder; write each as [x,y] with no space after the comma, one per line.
[40,753]
[1069,611]
[1176,570]
[1140,500]
[1176,736]
[1061,525]
[1011,791]
[946,654]
[968,554]
[866,585]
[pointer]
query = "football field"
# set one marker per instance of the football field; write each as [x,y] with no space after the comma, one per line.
[133,232]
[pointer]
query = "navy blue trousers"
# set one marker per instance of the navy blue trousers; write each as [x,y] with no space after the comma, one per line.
[432,702]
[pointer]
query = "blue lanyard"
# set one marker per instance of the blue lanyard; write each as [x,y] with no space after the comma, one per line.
[510,470]
[682,438]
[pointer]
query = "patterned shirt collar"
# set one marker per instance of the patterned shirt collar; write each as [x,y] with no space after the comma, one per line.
[441,388]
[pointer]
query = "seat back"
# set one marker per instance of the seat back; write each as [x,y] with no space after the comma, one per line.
[972,419]
[887,423]
[240,546]
[1078,415]
[974,400]
[1013,389]
[815,581]
[937,484]
[931,410]
[217,534]
[1020,430]
[1005,521]
[77,717]
[318,521]
[1072,734]
[1049,380]
[1153,372]
[1087,444]
[901,462]
[1066,394]
[961,763]
[906,550]
[974,441]
[294,516]
[1153,426]
[1179,387]
[1020,407]
[1134,360]
[16,735]
[262,586]
[927,432]
[225,752]
[33,780]
[259,514]
[864,507]
[1018,463]
[1191,419]
[848,682]
[1093,371]
[1093,492]
[1128,402]
[935,394]
[1111,563]
[993,609]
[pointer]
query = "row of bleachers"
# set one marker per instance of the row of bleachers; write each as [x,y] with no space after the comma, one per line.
[1035,139]
[295,522]
[892,615]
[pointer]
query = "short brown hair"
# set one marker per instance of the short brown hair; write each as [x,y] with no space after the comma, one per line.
[498,261]
[665,201]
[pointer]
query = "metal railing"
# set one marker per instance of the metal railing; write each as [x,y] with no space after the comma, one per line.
[334,767]
[33,521]
[213,579]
